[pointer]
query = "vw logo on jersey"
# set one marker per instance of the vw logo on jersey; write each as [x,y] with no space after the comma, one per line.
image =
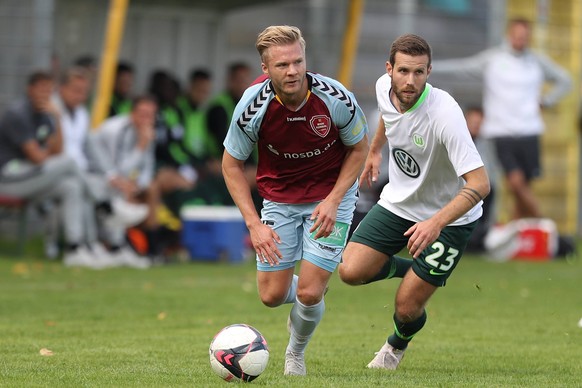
[406,162]
[321,124]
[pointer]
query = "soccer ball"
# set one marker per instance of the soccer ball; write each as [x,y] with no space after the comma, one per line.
[239,352]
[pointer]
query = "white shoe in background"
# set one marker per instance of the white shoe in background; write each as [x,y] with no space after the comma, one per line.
[126,213]
[80,257]
[103,256]
[127,257]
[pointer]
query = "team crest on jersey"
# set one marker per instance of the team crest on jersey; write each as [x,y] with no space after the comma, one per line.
[418,140]
[321,124]
[406,163]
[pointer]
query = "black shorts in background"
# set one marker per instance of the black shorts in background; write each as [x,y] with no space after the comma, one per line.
[519,153]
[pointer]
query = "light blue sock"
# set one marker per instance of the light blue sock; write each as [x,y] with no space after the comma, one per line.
[304,320]
[292,293]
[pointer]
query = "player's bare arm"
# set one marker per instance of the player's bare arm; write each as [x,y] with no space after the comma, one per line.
[424,233]
[325,213]
[371,169]
[262,236]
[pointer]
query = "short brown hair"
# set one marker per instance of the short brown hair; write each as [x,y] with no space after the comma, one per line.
[75,72]
[143,98]
[277,36]
[410,44]
[519,21]
[39,76]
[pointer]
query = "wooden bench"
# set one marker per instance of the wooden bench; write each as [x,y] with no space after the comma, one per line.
[10,205]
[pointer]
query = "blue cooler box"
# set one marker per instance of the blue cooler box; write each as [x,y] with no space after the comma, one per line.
[213,233]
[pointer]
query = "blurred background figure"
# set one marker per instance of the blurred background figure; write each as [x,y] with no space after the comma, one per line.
[192,106]
[103,210]
[474,117]
[89,63]
[218,117]
[513,80]
[221,107]
[183,155]
[33,166]
[124,152]
[122,89]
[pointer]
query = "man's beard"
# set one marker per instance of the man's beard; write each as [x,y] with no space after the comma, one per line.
[406,101]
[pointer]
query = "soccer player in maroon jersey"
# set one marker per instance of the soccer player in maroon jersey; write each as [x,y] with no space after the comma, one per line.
[312,142]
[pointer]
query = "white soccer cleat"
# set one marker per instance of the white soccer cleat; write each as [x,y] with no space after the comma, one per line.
[80,257]
[127,257]
[103,256]
[387,357]
[295,364]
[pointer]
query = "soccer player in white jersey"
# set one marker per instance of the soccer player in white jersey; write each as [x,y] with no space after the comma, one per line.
[312,144]
[431,203]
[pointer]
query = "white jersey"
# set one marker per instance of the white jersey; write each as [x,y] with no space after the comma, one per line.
[430,149]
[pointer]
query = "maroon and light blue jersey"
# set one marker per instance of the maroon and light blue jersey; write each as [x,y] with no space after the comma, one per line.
[300,152]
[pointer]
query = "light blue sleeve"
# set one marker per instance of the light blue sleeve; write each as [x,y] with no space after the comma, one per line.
[239,142]
[348,116]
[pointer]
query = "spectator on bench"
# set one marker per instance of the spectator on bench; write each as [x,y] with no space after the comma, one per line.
[33,167]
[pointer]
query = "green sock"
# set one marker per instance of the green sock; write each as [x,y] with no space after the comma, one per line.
[404,331]
[394,267]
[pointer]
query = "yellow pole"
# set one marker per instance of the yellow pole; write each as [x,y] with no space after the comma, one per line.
[113,36]
[350,44]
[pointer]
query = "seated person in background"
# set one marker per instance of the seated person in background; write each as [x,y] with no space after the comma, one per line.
[123,84]
[70,99]
[33,167]
[221,107]
[218,116]
[174,168]
[182,143]
[89,64]
[122,148]
[197,141]
[183,156]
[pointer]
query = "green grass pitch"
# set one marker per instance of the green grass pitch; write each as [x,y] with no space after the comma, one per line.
[493,325]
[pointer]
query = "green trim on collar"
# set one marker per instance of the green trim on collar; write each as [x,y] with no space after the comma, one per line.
[421,98]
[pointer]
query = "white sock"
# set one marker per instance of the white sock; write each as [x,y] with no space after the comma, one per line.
[292,293]
[304,320]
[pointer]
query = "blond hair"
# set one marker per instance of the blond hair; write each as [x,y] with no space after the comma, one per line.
[278,36]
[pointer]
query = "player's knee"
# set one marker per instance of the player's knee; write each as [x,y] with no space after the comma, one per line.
[308,297]
[349,274]
[407,311]
[272,299]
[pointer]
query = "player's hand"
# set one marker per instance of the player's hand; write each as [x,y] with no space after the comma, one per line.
[324,215]
[371,169]
[50,108]
[265,240]
[127,187]
[421,235]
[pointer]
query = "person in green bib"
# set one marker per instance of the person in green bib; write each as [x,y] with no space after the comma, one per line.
[221,107]
[219,115]
[121,99]
[197,141]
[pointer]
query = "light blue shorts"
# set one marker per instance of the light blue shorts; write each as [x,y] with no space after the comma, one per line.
[292,224]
